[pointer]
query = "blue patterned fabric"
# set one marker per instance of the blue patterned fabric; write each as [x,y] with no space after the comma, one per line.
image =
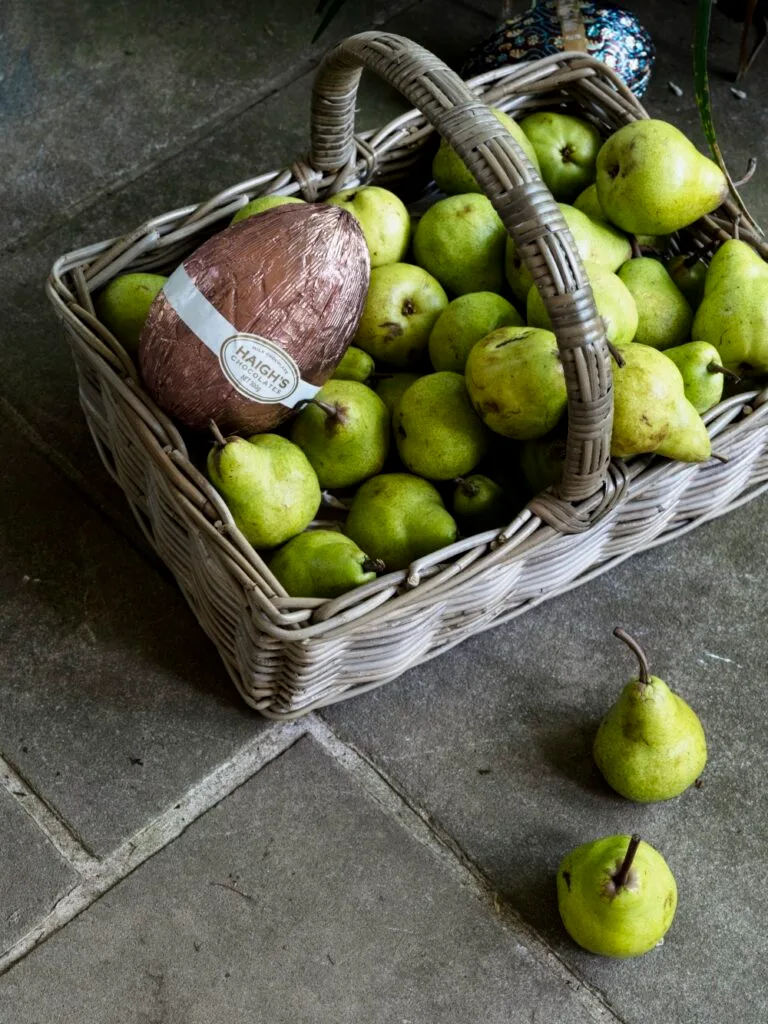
[614,36]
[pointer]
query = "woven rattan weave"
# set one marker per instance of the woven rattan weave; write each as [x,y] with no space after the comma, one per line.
[289,655]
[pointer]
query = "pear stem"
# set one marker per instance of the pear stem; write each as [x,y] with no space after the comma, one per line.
[620,361]
[374,565]
[217,434]
[620,878]
[728,374]
[636,250]
[751,168]
[719,457]
[634,646]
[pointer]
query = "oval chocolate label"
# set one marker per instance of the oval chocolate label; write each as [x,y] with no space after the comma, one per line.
[258,368]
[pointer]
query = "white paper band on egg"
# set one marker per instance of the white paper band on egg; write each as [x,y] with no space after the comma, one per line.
[258,368]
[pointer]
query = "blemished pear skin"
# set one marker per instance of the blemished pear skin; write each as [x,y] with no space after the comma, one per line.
[650,745]
[651,179]
[733,315]
[664,315]
[438,434]
[703,375]
[567,149]
[617,896]
[613,300]
[516,382]
[322,563]
[460,241]
[466,320]
[450,172]
[398,517]
[344,433]
[383,217]
[650,410]
[268,485]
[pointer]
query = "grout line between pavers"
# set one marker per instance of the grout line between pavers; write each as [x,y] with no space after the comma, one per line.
[69,845]
[99,876]
[452,858]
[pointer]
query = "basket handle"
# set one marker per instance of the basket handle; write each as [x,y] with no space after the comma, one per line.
[530,215]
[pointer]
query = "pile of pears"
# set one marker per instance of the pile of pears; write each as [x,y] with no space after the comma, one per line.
[448,412]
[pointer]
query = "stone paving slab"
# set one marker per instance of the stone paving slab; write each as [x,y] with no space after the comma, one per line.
[93,92]
[113,701]
[494,742]
[32,873]
[296,899]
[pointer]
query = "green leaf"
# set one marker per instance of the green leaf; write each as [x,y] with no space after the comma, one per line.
[704,99]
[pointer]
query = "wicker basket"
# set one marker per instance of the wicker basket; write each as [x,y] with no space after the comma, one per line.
[289,655]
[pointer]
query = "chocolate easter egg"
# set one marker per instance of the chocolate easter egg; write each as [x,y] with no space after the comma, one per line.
[256,319]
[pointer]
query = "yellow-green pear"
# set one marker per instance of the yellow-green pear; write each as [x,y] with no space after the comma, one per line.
[354,365]
[383,217]
[703,375]
[689,272]
[262,203]
[613,300]
[460,241]
[344,432]
[650,745]
[567,149]
[616,896]
[450,172]
[401,306]
[650,410]
[664,316]
[322,563]
[397,517]
[438,434]
[651,179]
[733,315]
[516,382]
[268,484]
[588,203]
[479,504]
[466,320]
[124,303]
[391,387]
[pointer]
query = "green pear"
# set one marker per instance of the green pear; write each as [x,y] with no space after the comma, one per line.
[651,179]
[650,410]
[664,316]
[466,320]
[124,303]
[401,307]
[479,504]
[391,388]
[542,461]
[268,484]
[516,382]
[567,149]
[616,896]
[460,241]
[437,432]
[354,365]
[733,315]
[588,203]
[398,518]
[703,376]
[689,272]
[613,300]
[384,219]
[650,745]
[322,563]
[596,241]
[262,203]
[450,172]
[344,433]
